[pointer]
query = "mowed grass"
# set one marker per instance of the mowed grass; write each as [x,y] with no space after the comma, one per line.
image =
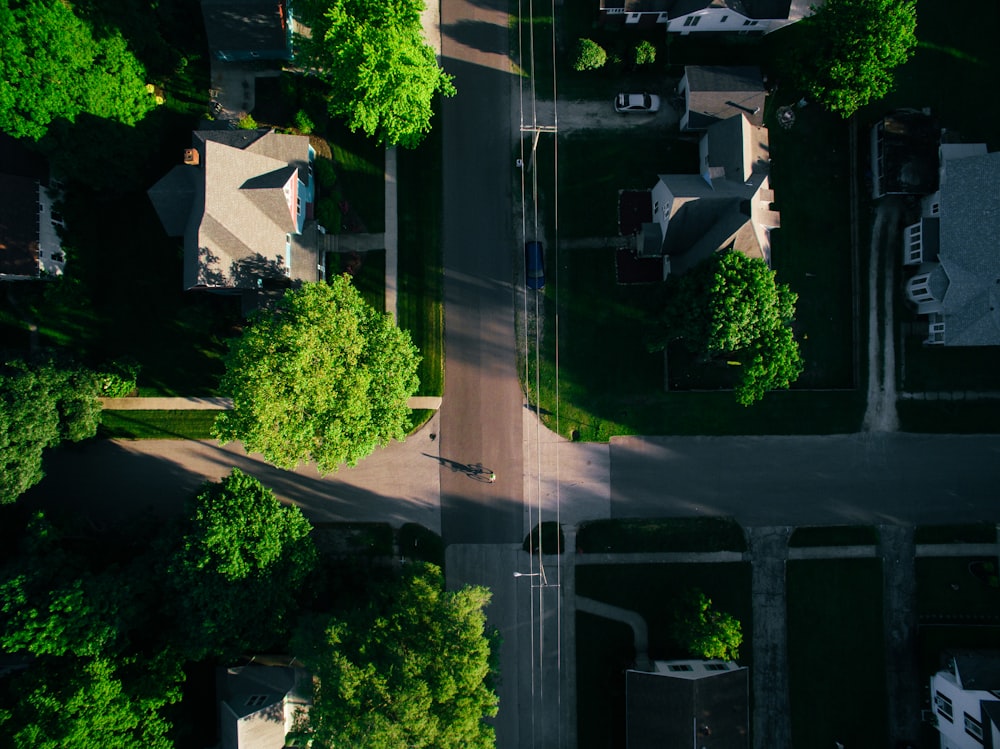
[137,425]
[947,590]
[835,617]
[420,281]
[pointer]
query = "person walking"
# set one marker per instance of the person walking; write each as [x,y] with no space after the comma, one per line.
[493,477]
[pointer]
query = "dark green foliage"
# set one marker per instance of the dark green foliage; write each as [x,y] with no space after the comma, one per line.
[551,539]
[411,669]
[846,52]
[40,406]
[628,536]
[417,542]
[382,75]
[588,55]
[52,66]
[704,632]
[644,53]
[729,307]
[241,562]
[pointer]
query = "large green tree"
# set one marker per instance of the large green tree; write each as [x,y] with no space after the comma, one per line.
[52,66]
[704,632]
[413,669]
[382,75]
[729,307]
[322,377]
[242,559]
[41,405]
[845,53]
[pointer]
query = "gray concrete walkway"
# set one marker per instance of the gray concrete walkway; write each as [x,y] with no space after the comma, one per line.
[391,233]
[430,403]
[899,621]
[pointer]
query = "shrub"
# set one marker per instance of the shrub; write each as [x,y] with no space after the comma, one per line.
[644,53]
[118,379]
[304,123]
[246,122]
[589,55]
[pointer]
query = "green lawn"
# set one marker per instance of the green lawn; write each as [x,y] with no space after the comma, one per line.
[420,302]
[653,590]
[837,535]
[675,534]
[367,271]
[186,425]
[835,617]
[978,533]
[938,599]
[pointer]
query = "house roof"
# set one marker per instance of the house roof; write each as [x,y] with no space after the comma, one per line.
[257,703]
[977,670]
[237,208]
[718,92]
[246,28]
[18,226]
[969,224]
[662,710]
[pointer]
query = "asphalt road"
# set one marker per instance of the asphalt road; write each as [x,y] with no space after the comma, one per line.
[481,415]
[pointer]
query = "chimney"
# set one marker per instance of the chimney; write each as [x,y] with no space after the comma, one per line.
[191,156]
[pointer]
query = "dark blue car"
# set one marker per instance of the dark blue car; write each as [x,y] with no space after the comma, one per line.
[534,265]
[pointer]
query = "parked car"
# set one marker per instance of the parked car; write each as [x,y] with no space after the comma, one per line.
[534,265]
[637,103]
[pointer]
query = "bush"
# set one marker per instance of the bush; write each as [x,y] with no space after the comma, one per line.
[589,55]
[303,122]
[246,122]
[644,53]
[552,539]
[118,379]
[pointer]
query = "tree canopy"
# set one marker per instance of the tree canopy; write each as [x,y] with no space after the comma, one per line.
[242,559]
[730,306]
[41,405]
[413,669]
[846,52]
[382,75]
[53,67]
[322,377]
[704,632]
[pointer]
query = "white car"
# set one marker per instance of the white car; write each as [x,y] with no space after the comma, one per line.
[637,103]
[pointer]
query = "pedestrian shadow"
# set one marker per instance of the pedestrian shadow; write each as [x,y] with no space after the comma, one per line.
[474,471]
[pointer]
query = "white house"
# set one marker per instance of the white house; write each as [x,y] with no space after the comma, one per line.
[966,700]
[954,251]
[688,703]
[726,16]
[259,704]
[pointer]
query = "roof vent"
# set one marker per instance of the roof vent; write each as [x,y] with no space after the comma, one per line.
[191,156]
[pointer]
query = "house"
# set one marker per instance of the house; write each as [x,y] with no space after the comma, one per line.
[954,252]
[726,206]
[688,703]
[30,246]
[259,704]
[686,16]
[715,93]
[242,30]
[242,200]
[966,700]
[904,153]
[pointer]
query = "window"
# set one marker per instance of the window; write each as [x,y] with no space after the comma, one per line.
[723,19]
[943,705]
[716,667]
[679,667]
[692,20]
[656,207]
[973,727]
[749,23]
[256,700]
[914,253]
[935,209]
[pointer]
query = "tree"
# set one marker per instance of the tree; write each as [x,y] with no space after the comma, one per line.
[847,50]
[52,67]
[241,561]
[729,306]
[41,405]
[382,75]
[644,53]
[322,377]
[413,669]
[703,632]
[589,55]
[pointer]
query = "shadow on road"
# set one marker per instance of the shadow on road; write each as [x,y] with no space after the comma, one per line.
[474,471]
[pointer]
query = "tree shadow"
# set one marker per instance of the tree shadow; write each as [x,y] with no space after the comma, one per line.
[480,35]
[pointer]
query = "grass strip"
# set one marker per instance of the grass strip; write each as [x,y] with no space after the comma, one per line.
[140,425]
[670,535]
[836,535]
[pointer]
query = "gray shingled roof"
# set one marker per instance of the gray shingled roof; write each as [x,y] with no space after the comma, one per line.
[968,249]
[662,711]
[719,92]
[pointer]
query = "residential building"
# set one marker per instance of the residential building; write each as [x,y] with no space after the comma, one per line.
[965,698]
[728,205]
[715,93]
[243,202]
[726,16]
[954,252]
[259,704]
[688,703]
[30,245]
